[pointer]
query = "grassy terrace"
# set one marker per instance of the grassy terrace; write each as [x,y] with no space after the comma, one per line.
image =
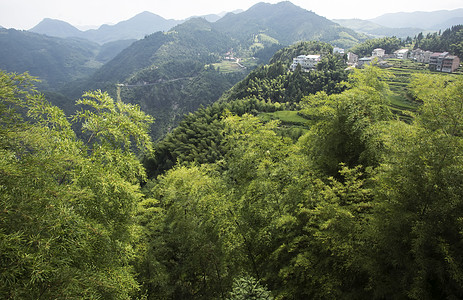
[292,124]
[403,71]
[400,100]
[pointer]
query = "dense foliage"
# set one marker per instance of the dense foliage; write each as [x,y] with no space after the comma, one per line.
[198,138]
[362,206]
[67,204]
[450,40]
[390,44]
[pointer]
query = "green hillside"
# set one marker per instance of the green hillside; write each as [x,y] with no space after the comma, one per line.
[287,23]
[55,61]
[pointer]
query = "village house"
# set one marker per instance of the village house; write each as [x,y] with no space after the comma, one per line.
[420,56]
[378,52]
[364,61]
[307,62]
[401,53]
[352,59]
[443,62]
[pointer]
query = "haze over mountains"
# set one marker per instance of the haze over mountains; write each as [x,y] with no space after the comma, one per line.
[134,28]
[405,24]
[400,24]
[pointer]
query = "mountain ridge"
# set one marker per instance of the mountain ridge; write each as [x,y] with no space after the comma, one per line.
[376,30]
[56,28]
[420,19]
[136,27]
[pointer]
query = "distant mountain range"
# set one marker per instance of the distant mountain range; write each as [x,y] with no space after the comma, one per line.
[56,61]
[376,30]
[405,24]
[134,28]
[435,20]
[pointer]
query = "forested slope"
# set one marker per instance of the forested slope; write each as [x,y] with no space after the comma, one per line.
[362,206]
[354,209]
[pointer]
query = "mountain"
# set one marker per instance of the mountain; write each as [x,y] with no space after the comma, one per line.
[287,23]
[56,28]
[426,20]
[211,17]
[172,73]
[168,74]
[55,61]
[376,30]
[449,23]
[134,28]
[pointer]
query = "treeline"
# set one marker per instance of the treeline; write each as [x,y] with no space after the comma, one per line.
[390,44]
[450,40]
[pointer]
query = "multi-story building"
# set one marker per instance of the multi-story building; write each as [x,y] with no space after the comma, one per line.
[378,52]
[450,63]
[401,54]
[443,62]
[352,59]
[420,56]
[307,62]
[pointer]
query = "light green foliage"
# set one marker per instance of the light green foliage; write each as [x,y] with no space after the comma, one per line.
[346,121]
[247,288]
[321,256]
[66,206]
[442,108]
[419,193]
[188,247]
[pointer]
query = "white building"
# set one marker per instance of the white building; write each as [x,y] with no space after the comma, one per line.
[307,62]
[337,50]
[401,54]
[378,52]
[420,56]
[352,59]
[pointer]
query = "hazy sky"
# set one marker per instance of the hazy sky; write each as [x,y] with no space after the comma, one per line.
[25,14]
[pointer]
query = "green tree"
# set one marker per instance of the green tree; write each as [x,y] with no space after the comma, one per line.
[67,205]
[344,128]
[246,287]
[419,195]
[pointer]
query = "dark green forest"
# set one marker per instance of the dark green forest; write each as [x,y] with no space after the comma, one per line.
[357,205]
